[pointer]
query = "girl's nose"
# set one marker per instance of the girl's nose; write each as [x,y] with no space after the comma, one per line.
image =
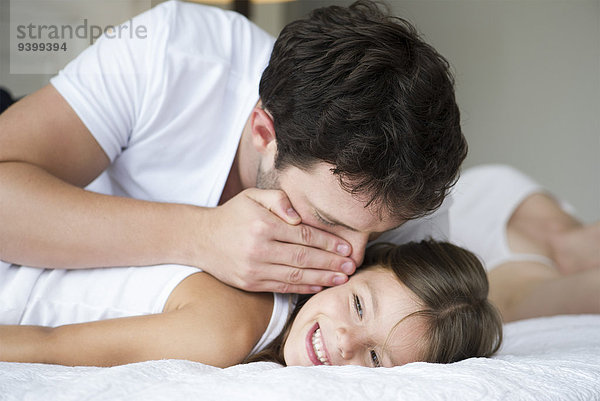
[348,343]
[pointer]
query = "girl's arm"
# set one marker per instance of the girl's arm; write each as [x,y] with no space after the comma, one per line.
[220,331]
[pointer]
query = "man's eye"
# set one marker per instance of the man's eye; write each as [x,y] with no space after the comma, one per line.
[375,359]
[358,306]
[323,221]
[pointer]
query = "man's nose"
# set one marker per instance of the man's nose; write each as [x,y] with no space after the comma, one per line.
[359,243]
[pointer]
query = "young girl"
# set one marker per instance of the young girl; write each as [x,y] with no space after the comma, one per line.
[422,301]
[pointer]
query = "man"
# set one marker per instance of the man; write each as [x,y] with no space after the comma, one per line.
[356,131]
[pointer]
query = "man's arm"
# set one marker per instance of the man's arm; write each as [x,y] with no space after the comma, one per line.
[206,321]
[47,155]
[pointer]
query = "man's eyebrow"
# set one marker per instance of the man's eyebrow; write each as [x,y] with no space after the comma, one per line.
[332,220]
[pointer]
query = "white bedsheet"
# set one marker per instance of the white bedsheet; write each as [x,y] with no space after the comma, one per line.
[556,358]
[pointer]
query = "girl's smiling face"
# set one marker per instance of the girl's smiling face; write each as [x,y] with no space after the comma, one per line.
[357,324]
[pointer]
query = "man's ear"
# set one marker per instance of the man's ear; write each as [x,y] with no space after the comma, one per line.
[263,130]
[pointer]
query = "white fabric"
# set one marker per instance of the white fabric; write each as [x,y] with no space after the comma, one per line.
[545,359]
[485,197]
[46,297]
[282,308]
[169,109]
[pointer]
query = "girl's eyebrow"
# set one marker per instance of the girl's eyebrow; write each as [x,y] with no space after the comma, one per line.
[373,298]
[374,302]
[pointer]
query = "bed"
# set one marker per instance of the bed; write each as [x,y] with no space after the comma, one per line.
[553,358]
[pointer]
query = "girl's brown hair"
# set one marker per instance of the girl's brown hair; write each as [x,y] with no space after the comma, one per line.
[452,287]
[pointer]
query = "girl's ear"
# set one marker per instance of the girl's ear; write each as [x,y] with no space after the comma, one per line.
[263,131]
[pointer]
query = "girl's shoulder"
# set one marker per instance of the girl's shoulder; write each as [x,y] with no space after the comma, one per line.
[243,316]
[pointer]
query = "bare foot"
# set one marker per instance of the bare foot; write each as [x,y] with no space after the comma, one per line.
[577,249]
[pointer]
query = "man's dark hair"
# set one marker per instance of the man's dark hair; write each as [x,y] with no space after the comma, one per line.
[359,89]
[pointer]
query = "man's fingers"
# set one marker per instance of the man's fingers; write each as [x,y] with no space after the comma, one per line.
[305,258]
[276,286]
[276,202]
[312,237]
[287,279]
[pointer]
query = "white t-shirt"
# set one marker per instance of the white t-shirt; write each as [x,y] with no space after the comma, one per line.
[169,109]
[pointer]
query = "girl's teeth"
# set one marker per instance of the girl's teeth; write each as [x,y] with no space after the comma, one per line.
[318,347]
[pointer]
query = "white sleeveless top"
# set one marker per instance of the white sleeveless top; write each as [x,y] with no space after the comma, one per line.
[47,297]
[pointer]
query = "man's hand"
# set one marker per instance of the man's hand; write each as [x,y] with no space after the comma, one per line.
[257,242]
[47,155]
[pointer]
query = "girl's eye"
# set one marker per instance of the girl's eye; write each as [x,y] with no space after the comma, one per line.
[375,359]
[358,306]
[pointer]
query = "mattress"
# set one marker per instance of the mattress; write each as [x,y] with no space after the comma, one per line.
[553,358]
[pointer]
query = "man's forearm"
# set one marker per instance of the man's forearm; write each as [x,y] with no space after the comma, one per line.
[49,223]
